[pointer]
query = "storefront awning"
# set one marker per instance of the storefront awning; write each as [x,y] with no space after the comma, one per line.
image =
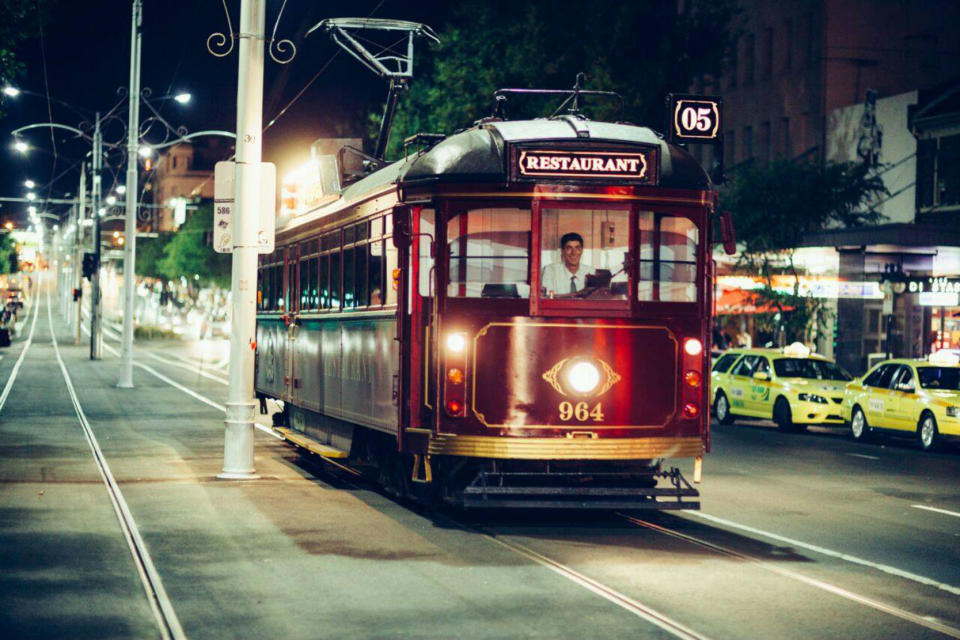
[740,302]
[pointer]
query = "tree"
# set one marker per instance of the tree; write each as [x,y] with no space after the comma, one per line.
[641,50]
[9,263]
[150,252]
[21,19]
[774,206]
[190,254]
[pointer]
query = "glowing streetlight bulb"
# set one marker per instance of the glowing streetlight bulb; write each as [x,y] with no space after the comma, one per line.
[121,189]
[13,92]
[31,196]
[20,146]
[182,98]
[146,152]
[29,184]
[32,209]
[111,200]
[8,225]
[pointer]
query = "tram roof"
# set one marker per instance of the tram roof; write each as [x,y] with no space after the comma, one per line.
[479,154]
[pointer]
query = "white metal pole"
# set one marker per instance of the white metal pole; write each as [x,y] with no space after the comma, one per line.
[96,322]
[240,414]
[78,261]
[130,245]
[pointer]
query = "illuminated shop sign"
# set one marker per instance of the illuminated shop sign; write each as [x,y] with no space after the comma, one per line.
[939,299]
[619,165]
[933,284]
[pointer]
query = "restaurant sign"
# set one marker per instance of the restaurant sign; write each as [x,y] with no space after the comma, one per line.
[607,165]
[933,284]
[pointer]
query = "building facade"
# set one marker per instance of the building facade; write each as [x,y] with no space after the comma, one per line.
[182,174]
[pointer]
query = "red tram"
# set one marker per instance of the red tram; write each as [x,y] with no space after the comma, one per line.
[516,315]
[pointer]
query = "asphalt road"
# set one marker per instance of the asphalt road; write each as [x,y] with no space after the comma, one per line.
[800,536]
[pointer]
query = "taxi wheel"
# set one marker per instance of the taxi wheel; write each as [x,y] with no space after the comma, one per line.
[784,417]
[859,428]
[721,407]
[927,432]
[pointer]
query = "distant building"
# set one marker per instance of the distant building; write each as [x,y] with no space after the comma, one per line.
[183,174]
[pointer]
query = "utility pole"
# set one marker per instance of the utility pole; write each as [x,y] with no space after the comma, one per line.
[241,408]
[96,335]
[130,247]
[78,261]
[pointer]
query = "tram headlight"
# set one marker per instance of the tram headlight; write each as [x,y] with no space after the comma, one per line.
[583,377]
[693,347]
[456,342]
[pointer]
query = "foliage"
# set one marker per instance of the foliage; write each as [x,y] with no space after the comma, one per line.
[9,262]
[21,20]
[153,333]
[189,252]
[641,50]
[150,252]
[774,206]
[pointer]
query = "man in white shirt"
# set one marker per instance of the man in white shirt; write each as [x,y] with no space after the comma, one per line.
[568,276]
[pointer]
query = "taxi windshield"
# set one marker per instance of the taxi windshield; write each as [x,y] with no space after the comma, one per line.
[808,368]
[939,378]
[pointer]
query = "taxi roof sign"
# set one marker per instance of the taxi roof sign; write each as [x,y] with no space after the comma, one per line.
[944,357]
[797,349]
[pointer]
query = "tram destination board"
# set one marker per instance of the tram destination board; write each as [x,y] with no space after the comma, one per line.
[636,165]
[694,118]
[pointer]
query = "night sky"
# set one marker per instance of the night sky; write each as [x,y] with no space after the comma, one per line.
[86,47]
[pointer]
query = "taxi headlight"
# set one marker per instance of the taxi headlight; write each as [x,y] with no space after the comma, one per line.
[811,397]
[953,412]
[583,377]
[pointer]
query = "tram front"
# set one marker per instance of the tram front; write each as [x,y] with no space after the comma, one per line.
[560,322]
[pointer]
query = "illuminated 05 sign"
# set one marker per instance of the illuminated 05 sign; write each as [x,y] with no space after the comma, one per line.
[695,118]
[618,165]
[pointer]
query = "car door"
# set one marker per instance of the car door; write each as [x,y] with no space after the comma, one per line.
[719,375]
[900,411]
[741,377]
[878,395]
[759,397]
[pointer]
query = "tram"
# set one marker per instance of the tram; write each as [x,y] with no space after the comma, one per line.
[516,315]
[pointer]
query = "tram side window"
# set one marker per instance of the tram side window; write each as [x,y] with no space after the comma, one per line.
[668,258]
[427,231]
[335,280]
[583,252]
[349,301]
[377,274]
[323,269]
[360,290]
[489,254]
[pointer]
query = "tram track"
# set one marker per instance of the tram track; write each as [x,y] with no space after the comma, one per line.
[12,378]
[162,608]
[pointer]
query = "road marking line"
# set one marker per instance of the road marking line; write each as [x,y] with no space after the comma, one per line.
[862,455]
[943,511]
[639,609]
[923,621]
[23,352]
[166,617]
[949,588]
[201,372]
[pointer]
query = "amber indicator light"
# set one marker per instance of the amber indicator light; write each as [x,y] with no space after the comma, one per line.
[692,378]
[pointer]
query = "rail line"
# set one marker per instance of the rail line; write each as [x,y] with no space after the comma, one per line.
[163,611]
[26,347]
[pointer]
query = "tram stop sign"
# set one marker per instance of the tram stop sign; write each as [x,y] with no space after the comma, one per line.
[224,194]
[693,118]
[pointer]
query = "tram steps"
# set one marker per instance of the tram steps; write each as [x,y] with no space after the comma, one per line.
[311,445]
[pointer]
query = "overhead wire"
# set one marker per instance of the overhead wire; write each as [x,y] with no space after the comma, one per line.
[46,88]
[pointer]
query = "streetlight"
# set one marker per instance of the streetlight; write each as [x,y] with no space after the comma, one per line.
[111,200]
[121,189]
[29,184]
[21,146]
[182,98]
[11,91]
[31,196]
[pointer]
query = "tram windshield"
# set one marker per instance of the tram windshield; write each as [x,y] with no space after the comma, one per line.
[583,253]
[489,254]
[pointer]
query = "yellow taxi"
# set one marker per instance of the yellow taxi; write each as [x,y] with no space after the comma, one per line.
[791,386]
[919,396]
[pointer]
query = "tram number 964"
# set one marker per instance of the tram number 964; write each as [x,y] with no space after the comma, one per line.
[581,412]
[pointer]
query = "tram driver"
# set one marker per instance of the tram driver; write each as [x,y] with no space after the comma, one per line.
[569,275]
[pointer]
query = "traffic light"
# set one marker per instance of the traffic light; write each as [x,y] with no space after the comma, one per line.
[77,294]
[89,264]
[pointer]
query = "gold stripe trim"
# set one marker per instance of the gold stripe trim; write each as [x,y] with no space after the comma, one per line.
[308,443]
[566,448]
[572,196]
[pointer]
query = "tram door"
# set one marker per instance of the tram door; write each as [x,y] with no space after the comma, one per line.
[291,298]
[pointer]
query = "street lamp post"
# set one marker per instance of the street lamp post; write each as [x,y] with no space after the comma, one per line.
[96,337]
[129,251]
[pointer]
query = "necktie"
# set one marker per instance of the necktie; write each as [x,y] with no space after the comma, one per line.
[573,284]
